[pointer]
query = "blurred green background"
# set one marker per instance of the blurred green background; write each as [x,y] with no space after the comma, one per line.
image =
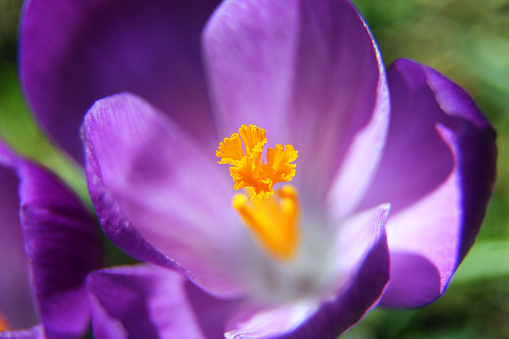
[468,41]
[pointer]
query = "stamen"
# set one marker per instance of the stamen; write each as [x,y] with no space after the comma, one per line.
[274,221]
[248,169]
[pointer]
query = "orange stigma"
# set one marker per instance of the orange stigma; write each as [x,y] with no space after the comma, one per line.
[248,169]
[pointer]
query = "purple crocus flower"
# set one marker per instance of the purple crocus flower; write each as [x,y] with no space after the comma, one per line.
[309,73]
[46,257]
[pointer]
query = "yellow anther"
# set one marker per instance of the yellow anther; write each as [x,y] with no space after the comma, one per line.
[248,169]
[274,221]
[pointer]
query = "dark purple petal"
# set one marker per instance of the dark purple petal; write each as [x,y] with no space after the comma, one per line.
[158,195]
[336,315]
[62,245]
[437,172]
[76,52]
[151,302]
[16,303]
[310,74]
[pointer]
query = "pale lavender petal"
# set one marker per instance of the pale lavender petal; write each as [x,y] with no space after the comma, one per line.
[355,237]
[310,74]
[158,195]
[76,52]
[366,281]
[437,172]
[151,302]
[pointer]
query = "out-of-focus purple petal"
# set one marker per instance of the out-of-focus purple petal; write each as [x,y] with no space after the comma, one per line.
[151,302]
[16,303]
[310,74]
[331,318]
[157,194]
[34,333]
[76,52]
[437,172]
[62,245]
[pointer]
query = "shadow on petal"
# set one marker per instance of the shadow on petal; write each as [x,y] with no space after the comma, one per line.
[415,281]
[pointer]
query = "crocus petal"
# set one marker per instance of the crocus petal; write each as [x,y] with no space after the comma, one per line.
[157,194]
[150,302]
[16,305]
[310,74]
[437,172]
[367,274]
[75,52]
[62,246]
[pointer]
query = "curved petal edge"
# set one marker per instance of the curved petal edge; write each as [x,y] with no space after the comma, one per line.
[438,172]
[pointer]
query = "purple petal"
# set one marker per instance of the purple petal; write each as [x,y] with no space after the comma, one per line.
[335,316]
[62,246]
[151,302]
[356,235]
[16,303]
[437,172]
[75,52]
[310,74]
[414,280]
[158,195]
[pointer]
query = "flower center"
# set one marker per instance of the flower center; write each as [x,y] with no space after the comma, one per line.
[273,220]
